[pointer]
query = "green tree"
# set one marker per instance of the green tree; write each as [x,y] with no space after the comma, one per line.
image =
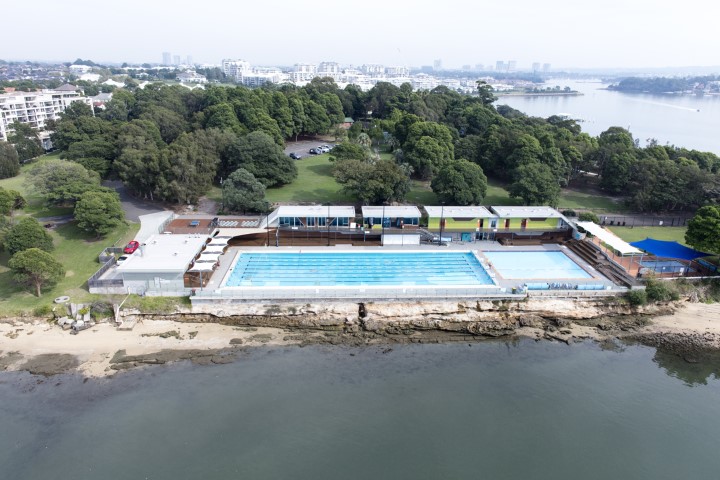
[99,212]
[383,181]
[485,92]
[536,184]
[10,200]
[189,170]
[27,233]
[460,183]
[242,192]
[9,161]
[26,141]
[36,268]
[703,232]
[258,153]
[62,182]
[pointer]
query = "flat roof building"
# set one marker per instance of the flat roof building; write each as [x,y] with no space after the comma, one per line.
[163,256]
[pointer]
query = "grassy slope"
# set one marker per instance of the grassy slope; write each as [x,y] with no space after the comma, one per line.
[636,234]
[316,184]
[74,248]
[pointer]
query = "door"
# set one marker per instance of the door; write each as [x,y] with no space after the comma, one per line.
[523,223]
[507,223]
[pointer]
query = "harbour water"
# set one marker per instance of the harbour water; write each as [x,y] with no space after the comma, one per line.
[686,121]
[499,410]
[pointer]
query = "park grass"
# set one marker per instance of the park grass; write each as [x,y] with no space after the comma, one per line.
[78,252]
[314,184]
[635,234]
[35,203]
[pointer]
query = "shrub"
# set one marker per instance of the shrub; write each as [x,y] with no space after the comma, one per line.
[657,291]
[569,213]
[636,297]
[588,217]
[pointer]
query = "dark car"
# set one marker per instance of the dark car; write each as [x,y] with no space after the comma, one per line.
[295,156]
[131,247]
[314,151]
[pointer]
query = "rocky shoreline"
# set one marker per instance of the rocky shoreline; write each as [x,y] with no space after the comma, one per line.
[214,337]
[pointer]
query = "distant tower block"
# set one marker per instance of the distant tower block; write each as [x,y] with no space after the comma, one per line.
[166,58]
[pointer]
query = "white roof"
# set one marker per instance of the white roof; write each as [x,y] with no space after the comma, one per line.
[164,253]
[404,211]
[315,211]
[218,242]
[527,212]
[215,250]
[606,236]
[459,212]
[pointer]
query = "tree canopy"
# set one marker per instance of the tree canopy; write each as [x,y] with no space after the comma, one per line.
[36,268]
[460,183]
[242,192]
[703,232]
[27,233]
[99,212]
[9,161]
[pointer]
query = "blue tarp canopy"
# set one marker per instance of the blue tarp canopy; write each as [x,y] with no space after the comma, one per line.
[662,248]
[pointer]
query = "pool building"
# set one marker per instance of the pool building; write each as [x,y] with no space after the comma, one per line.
[329,251]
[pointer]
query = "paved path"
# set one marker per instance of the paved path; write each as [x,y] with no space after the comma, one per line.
[133,207]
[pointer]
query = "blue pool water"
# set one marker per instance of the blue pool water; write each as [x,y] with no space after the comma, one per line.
[358,268]
[535,265]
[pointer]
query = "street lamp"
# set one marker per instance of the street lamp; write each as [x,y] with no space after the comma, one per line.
[382,223]
[442,210]
[267,227]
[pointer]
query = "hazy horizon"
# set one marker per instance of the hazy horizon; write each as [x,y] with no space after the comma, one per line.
[649,34]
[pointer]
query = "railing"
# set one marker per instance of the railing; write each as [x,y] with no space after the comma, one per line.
[109,253]
[95,282]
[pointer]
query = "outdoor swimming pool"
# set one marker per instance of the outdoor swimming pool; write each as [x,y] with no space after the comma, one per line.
[358,268]
[535,265]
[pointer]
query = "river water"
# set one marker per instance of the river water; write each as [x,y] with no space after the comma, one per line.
[516,410]
[686,121]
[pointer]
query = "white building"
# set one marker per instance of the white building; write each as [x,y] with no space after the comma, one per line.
[303,72]
[191,77]
[397,71]
[36,108]
[328,69]
[235,69]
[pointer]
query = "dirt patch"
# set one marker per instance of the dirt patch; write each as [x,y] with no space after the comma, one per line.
[9,359]
[122,361]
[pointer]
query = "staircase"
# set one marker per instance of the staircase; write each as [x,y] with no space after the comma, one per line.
[426,236]
[589,252]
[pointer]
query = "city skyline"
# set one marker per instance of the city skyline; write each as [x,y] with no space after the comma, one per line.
[645,34]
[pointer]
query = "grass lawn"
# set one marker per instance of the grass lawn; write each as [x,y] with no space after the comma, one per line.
[314,183]
[75,249]
[572,199]
[636,234]
[79,256]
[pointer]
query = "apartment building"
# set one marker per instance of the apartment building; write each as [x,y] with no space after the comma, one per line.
[36,108]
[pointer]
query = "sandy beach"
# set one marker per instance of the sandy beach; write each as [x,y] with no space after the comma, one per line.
[95,352]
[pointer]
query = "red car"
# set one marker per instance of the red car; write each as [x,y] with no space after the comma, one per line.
[131,247]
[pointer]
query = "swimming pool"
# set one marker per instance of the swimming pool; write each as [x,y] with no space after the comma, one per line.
[358,268]
[535,265]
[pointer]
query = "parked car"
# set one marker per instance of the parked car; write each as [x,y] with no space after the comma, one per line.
[131,247]
[122,259]
[295,156]
[327,148]
[314,151]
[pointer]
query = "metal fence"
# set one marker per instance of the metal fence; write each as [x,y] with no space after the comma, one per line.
[95,282]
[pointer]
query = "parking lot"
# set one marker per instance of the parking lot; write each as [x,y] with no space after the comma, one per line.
[302,147]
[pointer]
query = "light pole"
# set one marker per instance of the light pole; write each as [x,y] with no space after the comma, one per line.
[267,227]
[382,223]
[442,210]
[327,222]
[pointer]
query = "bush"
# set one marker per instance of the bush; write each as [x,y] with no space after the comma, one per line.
[42,310]
[588,217]
[657,291]
[569,213]
[636,297]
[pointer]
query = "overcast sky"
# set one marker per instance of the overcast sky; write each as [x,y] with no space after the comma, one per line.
[565,33]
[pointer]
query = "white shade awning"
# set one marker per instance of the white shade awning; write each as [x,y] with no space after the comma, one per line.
[609,238]
[218,241]
[208,257]
[202,267]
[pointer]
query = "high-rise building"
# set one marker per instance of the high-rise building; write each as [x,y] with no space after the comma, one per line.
[328,69]
[437,65]
[536,67]
[546,67]
[511,66]
[188,60]
[235,69]
[479,67]
[467,68]
[176,59]
[166,58]
[500,66]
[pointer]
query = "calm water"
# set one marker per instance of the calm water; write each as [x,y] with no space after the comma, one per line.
[667,118]
[358,268]
[500,411]
[535,265]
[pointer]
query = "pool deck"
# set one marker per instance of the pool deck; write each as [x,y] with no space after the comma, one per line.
[216,285]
